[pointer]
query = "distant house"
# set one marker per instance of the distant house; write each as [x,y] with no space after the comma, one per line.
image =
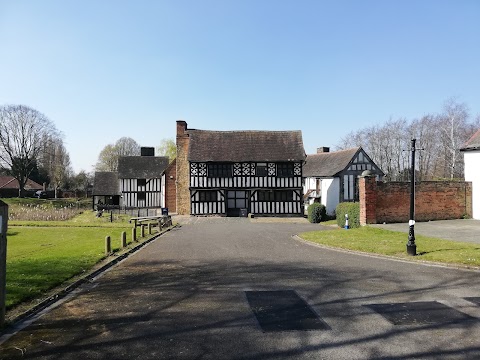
[232,173]
[331,177]
[105,189]
[142,180]
[471,154]
[9,187]
[138,183]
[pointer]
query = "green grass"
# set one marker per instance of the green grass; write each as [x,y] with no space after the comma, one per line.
[392,243]
[40,258]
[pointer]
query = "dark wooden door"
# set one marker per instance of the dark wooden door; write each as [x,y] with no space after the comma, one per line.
[236,200]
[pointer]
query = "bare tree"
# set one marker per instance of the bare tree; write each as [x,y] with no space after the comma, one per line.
[452,122]
[60,170]
[21,132]
[126,146]
[108,157]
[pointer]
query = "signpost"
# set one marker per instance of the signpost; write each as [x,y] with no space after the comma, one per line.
[3,260]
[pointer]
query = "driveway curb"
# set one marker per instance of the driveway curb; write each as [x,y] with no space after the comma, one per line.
[468,268]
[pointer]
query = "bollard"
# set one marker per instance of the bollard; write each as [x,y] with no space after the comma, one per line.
[124,239]
[346,222]
[143,230]
[108,245]
[134,234]
[149,228]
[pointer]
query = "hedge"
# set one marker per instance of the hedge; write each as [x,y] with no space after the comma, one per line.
[353,211]
[316,213]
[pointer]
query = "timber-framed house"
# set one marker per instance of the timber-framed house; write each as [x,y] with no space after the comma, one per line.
[142,180]
[332,177]
[232,173]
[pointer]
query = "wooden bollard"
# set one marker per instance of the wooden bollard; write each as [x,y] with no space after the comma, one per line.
[134,234]
[108,245]
[143,230]
[149,228]
[124,239]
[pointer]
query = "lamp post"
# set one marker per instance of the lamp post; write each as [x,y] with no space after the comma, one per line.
[411,246]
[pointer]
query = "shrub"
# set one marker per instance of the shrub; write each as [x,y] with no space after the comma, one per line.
[316,213]
[353,211]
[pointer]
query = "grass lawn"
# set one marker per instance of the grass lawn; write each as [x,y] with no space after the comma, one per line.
[40,258]
[44,254]
[385,242]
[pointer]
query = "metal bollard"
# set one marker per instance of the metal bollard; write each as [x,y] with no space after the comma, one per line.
[134,234]
[346,222]
[143,230]
[149,228]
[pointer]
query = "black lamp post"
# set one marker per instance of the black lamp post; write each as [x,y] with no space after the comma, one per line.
[411,246]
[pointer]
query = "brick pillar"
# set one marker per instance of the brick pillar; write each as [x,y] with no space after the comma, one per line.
[183,169]
[368,200]
[171,187]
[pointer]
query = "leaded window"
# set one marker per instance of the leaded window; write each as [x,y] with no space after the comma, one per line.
[284,169]
[219,170]
[207,195]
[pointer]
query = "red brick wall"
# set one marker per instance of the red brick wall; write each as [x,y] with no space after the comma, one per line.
[183,171]
[171,187]
[434,200]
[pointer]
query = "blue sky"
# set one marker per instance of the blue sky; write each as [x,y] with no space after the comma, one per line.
[101,70]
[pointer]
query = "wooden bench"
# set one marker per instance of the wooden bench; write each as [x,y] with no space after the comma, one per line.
[160,221]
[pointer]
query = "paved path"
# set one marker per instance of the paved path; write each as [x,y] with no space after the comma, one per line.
[183,297]
[458,230]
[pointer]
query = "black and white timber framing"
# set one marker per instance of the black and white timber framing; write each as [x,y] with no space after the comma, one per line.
[142,192]
[142,180]
[241,188]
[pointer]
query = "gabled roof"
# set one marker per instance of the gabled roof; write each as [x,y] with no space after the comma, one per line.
[238,146]
[142,167]
[473,143]
[105,183]
[328,164]
[9,182]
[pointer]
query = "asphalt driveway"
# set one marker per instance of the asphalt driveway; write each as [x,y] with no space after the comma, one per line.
[458,230]
[184,297]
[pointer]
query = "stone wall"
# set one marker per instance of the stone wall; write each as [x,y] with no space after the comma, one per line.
[182,171]
[434,200]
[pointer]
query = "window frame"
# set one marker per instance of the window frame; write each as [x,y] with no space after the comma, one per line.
[219,170]
[284,169]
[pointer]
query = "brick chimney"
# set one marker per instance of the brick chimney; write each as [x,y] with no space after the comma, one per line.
[323,149]
[147,151]
[183,169]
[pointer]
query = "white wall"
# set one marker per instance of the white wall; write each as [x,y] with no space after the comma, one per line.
[330,189]
[472,173]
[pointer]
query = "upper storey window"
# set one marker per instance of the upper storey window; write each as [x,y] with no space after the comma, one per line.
[284,169]
[219,170]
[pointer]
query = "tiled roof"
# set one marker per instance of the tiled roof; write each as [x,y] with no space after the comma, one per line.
[473,143]
[142,167]
[9,182]
[237,146]
[328,164]
[105,183]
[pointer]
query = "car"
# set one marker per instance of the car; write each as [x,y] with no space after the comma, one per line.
[41,194]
